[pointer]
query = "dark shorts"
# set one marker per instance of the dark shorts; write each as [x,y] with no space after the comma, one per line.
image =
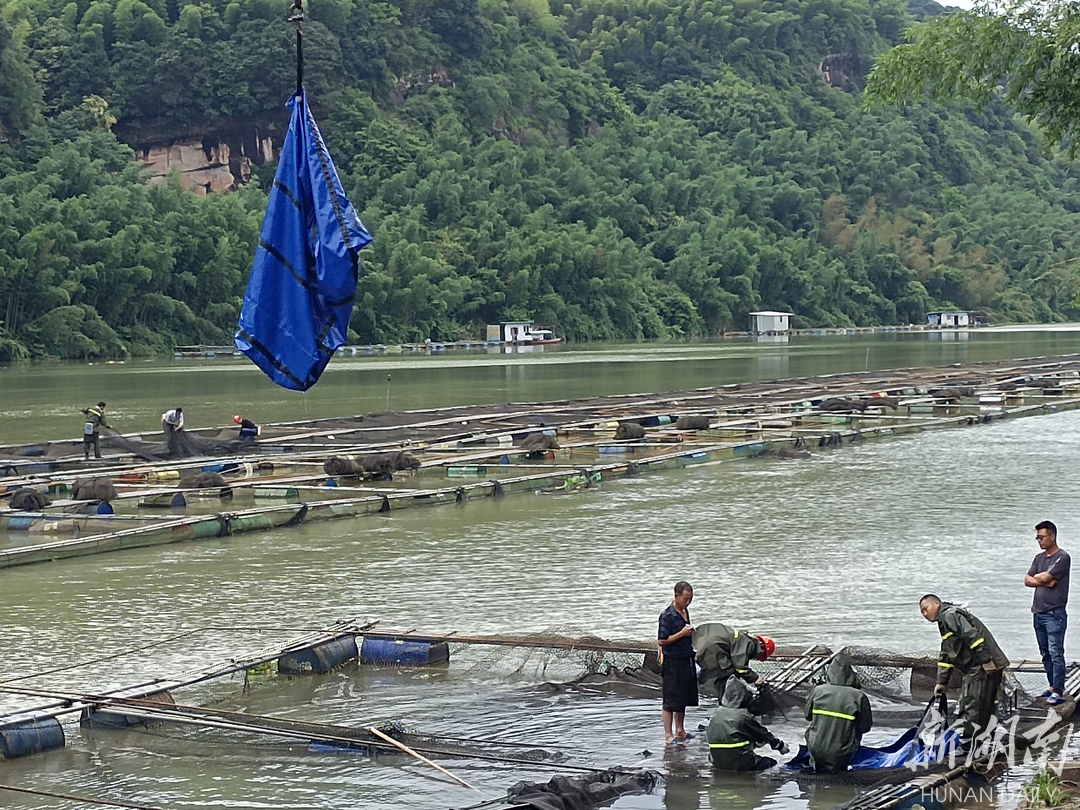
[680,684]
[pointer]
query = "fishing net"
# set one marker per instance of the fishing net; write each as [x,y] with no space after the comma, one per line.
[139,449]
[539,441]
[553,658]
[582,793]
[374,464]
[179,444]
[182,444]
[93,489]
[342,465]
[562,661]
[692,423]
[898,684]
[203,480]
[28,500]
[386,463]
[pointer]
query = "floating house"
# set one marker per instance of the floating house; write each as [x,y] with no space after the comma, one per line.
[520,333]
[770,321]
[956,318]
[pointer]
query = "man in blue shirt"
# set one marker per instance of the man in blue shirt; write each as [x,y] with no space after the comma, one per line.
[1049,576]
[680,688]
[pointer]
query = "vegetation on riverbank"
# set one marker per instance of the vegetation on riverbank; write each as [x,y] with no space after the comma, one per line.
[643,169]
[1046,789]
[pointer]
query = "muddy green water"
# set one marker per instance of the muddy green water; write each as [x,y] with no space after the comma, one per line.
[836,550]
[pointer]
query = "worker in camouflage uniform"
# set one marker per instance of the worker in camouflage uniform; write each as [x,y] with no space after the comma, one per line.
[839,714]
[723,652]
[967,646]
[95,419]
[734,733]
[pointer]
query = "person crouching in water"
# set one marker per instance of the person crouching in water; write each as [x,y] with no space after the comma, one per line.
[248,429]
[734,732]
[724,652]
[839,714]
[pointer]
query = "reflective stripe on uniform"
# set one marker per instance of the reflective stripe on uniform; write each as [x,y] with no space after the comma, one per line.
[976,643]
[729,745]
[841,715]
[947,635]
[736,634]
[741,671]
[943,664]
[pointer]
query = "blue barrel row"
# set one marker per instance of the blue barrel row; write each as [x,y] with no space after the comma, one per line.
[46,733]
[332,654]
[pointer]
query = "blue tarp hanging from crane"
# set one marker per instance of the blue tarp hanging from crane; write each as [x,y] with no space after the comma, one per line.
[303,282]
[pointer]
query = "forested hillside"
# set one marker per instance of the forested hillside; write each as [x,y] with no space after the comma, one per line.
[631,169]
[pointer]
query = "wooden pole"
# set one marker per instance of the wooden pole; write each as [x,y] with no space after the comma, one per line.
[420,757]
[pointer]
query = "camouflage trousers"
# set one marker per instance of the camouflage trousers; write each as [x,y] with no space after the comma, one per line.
[978,695]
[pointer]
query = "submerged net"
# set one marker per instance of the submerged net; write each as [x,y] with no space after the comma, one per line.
[557,659]
[898,684]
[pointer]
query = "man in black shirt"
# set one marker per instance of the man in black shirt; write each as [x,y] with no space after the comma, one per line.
[674,636]
[1049,576]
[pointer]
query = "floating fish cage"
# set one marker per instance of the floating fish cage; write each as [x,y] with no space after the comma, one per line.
[379,463]
[192,704]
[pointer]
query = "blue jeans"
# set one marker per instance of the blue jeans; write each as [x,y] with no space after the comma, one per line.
[1050,633]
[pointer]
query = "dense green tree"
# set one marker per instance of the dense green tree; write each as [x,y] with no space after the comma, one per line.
[1026,48]
[654,168]
[20,96]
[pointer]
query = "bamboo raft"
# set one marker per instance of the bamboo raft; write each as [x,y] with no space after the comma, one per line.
[475,452]
[36,728]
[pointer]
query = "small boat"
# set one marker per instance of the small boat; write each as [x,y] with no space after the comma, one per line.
[542,336]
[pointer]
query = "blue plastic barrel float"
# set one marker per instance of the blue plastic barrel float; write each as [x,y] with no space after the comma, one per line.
[396,652]
[318,658]
[469,471]
[115,718]
[31,737]
[35,468]
[656,421]
[329,747]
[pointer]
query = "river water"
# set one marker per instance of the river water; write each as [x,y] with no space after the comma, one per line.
[835,550]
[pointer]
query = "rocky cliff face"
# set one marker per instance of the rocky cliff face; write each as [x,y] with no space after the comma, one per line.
[840,69]
[207,164]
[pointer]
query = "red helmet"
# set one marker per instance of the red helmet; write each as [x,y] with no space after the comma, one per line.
[236,419]
[769,646]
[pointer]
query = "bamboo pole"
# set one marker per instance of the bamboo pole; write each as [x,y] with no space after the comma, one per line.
[420,757]
[79,799]
[198,717]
